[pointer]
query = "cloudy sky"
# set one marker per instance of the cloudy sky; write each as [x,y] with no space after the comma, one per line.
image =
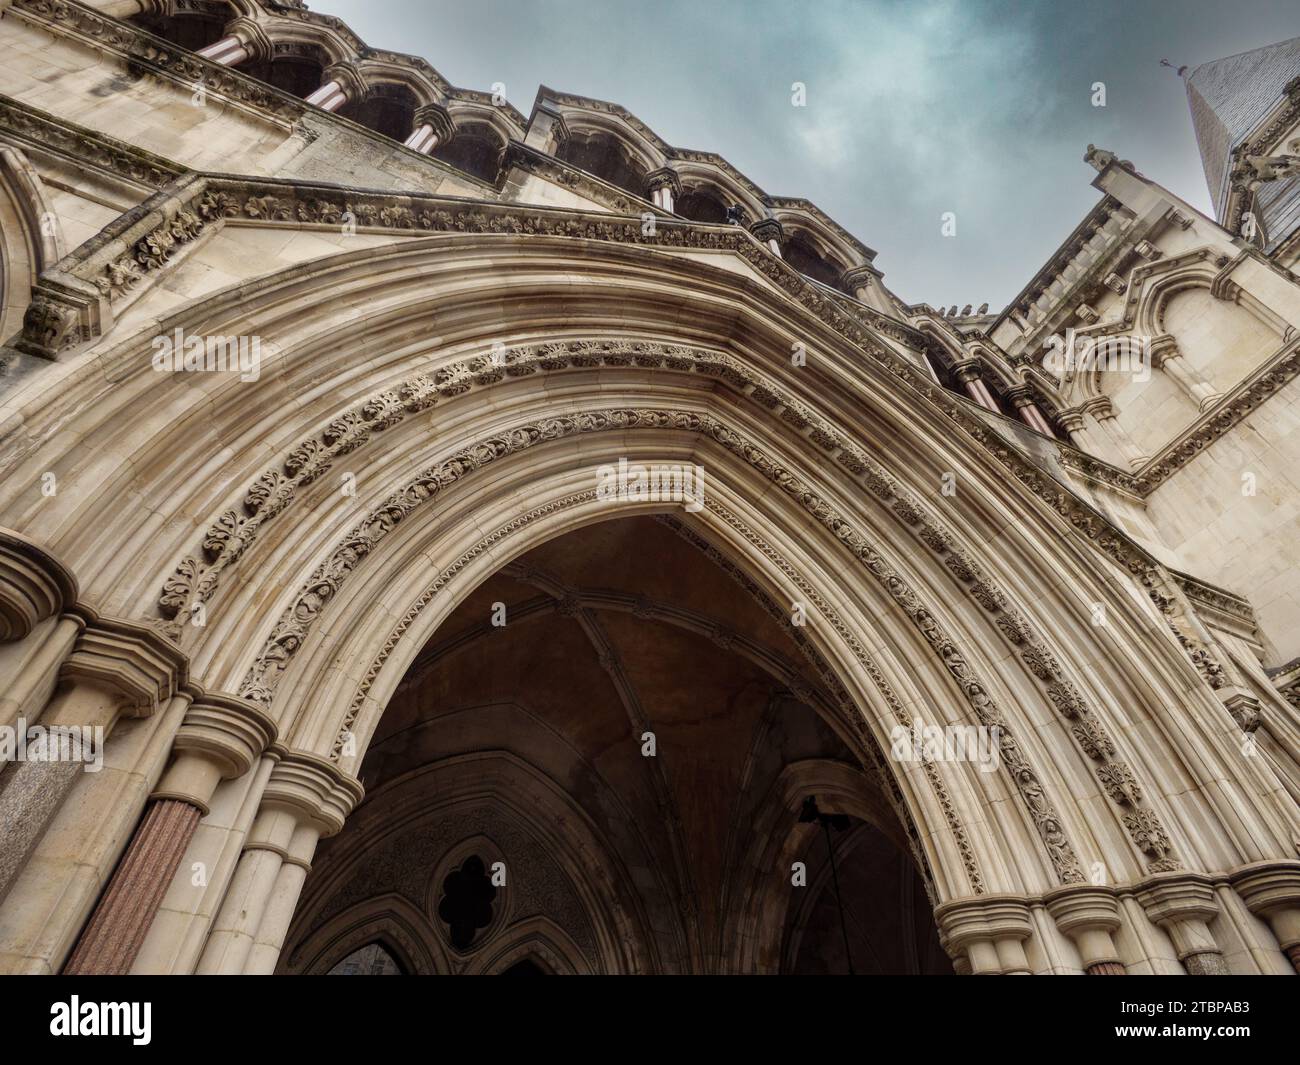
[914,107]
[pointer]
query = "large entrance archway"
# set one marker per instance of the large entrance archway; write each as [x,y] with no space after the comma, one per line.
[437,410]
[608,727]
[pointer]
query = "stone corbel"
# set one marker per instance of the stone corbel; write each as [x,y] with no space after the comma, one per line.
[34,585]
[1183,905]
[990,930]
[1271,891]
[1089,915]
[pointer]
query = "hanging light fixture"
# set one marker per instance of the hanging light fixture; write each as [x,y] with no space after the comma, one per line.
[840,822]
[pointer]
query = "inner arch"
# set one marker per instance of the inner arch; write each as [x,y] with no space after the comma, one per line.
[638,709]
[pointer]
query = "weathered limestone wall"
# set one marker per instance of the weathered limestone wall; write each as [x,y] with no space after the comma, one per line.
[1249,543]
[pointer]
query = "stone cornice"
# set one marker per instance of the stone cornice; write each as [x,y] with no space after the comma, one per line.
[74,305]
[135,45]
[83,147]
[1092,221]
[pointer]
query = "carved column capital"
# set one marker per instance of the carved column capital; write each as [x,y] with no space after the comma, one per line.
[768,229]
[253,36]
[859,277]
[220,738]
[349,78]
[990,929]
[663,178]
[1271,890]
[129,661]
[1089,915]
[34,585]
[1100,407]
[1183,904]
[1072,419]
[967,370]
[438,118]
[312,790]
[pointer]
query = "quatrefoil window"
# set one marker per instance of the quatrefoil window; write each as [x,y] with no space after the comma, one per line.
[466,904]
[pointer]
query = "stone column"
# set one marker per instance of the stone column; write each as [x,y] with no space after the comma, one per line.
[1271,891]
[116,670]
[663,186]
[342,82]
[990,930]
[1100,407]
[221,737]
[244,40]
[1089,915]
[1022,398]
[307,797]
[1166,357]
[968,375]
[1183,905]
[433,126]
[771,233]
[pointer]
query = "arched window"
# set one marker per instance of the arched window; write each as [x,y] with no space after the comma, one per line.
[700,205]
[605,156]
[193,29]
[371,960]
[804,256]
[298,73]
[476,149]
[388,108]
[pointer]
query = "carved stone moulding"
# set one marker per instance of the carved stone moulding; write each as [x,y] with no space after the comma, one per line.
[34,585]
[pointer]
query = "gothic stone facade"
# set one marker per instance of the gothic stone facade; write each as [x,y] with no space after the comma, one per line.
[387,683]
